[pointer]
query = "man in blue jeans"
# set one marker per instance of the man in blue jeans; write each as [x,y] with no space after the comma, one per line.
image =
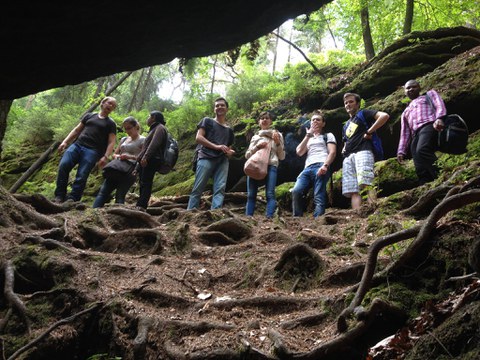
[215,138]
[94,138]
[321,149]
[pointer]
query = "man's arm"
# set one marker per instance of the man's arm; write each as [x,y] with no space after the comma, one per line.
[380,119]
[111,143]
[302,147]
[405,135]
[332,153]
[71,137]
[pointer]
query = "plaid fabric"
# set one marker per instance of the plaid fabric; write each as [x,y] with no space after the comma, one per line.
[418,113]
[357,172]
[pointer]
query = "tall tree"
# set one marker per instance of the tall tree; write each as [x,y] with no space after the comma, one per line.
[407,25]
[133,98]
[366,32]
[275,52]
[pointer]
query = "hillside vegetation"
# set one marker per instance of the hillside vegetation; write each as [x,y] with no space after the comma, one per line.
[174,284]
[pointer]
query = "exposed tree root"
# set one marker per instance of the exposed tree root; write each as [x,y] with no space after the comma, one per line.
[215,238]
[427,200]
[16,212]
[160,298]
[381,320]
[140,341]
[48,244]
[279,348]
[423,233]
[193,327]
[309,320]
[41,203]
[67,320]
[12,298]
[134,215]
[451,203]
[270,304]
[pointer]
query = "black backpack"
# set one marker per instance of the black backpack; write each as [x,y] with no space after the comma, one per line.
[453,139]
[169,156]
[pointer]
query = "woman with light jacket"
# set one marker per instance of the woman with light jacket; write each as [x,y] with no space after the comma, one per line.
[277,153]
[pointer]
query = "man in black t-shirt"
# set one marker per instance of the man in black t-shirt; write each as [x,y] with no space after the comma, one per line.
[358,162]
[215,138]
[94,141]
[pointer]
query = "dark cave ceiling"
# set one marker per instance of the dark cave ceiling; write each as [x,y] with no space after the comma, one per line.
[49,45]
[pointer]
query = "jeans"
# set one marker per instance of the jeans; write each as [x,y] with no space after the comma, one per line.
[86,159]
[207,168]
[305,180]
[146,175]
[252,188]
[122,183]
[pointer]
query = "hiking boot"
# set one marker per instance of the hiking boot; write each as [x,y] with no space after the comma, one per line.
[58,199]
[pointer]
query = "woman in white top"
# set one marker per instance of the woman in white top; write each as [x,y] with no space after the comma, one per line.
[128,149]
[277,152]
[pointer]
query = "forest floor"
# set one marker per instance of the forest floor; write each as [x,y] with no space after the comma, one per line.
[178,284]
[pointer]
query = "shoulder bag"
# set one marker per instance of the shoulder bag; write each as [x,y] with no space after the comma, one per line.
[256,166]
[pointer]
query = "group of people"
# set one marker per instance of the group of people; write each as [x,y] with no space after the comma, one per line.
[420,123]
[92,142]
[95,136]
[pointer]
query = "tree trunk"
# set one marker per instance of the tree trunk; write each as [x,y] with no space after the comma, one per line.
[275,52]
[131,105]
[145,88]
[4,109]
[100,82]
[407,25]
[366,32]
[213,73]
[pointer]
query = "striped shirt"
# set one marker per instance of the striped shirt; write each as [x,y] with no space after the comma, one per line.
[418,113]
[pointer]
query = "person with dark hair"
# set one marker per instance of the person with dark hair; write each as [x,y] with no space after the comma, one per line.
[277,152]
[321,149]
[150,157]
[94,139]
[359,161]
[128,150]
[420,123]
[215,138]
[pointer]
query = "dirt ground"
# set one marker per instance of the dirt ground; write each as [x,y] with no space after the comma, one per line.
[175,284]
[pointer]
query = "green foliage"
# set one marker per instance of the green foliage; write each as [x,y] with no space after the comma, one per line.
[387,17]
[185,118]
[34,127]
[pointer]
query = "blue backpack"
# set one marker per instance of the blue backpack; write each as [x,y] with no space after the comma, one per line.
[376,141]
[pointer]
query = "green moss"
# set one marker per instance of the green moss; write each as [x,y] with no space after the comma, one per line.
[350,231]
[411,301]
[340,250]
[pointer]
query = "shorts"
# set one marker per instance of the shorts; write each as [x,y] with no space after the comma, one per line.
[357,172]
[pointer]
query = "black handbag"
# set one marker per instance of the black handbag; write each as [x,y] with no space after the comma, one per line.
[117,167]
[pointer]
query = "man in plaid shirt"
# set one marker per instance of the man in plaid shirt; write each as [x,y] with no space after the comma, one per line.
[420,122]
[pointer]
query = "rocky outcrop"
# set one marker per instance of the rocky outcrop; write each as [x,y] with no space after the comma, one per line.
[51,45]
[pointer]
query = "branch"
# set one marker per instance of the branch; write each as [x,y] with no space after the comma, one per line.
[317,70]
